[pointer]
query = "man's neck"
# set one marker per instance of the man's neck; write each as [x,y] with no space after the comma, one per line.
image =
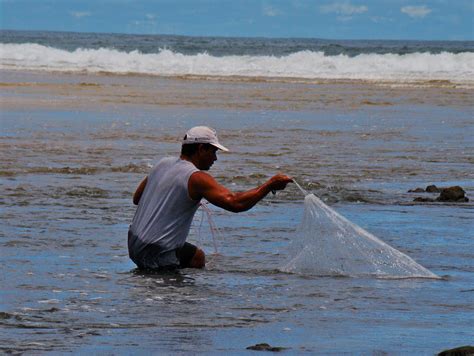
[193,160]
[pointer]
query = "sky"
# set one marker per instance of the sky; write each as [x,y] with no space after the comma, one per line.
[330,19]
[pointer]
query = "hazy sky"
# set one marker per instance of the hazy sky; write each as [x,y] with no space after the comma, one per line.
[333,19]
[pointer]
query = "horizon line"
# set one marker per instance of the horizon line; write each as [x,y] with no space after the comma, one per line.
[247,37]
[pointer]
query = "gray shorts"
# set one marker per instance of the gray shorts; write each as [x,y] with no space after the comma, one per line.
[150,256]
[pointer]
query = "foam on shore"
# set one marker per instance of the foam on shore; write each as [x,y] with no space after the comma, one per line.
[306,65]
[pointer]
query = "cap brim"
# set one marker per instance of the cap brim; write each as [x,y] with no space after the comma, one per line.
[219,146]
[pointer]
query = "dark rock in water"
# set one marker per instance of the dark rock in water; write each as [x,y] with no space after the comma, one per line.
[417,190]
[4,315]
[451,194]
[432,189]
[424,200]
[458,351]
[429,189]
[455,194]
[266,347]
[51,310]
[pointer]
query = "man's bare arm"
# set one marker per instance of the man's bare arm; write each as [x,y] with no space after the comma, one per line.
[202,185]
[138,193]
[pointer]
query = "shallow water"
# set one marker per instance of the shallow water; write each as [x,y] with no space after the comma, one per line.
[67,178]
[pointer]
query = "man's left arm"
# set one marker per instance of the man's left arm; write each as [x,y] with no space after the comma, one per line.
[139,191]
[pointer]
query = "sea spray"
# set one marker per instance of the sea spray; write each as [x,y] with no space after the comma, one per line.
[326,243]
[302,65]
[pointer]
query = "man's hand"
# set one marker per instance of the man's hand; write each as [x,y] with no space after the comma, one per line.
[279,182]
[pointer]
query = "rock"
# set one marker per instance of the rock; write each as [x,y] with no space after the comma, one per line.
[424,200]
[432,189]
[417,190]
[4,315]
[455,194]
[451,194]
[266,347]
[429,189]
[458,351]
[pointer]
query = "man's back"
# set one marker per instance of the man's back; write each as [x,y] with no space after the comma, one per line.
[165,210]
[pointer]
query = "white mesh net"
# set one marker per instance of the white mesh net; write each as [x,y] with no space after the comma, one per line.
[328,244]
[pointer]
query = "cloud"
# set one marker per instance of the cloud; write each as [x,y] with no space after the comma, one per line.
[150,16]
[344,18]
[80,14]
[300,4]
[270,11]
[343,8]
[381,19]
[416,11]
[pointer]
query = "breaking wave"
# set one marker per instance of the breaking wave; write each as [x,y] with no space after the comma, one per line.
[446,66]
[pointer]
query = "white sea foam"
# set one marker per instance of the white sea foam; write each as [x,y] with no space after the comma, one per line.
[305,64]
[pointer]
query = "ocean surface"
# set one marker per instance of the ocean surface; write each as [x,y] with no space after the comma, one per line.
[308,59]
[359,123]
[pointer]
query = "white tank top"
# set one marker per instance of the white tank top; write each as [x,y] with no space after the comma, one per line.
[165,211]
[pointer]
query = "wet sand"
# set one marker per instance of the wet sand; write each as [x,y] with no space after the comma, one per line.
[75,146]
[71,91]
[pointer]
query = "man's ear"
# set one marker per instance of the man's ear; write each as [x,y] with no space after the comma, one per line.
[204,147]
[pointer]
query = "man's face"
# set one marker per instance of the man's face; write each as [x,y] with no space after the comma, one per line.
[207,157]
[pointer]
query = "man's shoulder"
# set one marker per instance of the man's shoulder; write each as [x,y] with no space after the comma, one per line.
[201,178]
[165,162]
[199,183]
[174,167]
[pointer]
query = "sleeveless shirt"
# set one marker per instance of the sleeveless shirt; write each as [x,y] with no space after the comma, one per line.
[165,211]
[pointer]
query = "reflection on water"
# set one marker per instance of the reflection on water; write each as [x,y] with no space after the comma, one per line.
[67,178]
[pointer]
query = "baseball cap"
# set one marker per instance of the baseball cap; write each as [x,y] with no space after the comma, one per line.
[203,134]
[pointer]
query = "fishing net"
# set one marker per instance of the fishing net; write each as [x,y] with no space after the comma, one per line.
[328,244]
[215,232]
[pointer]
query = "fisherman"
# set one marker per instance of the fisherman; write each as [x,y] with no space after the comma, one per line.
[169,196]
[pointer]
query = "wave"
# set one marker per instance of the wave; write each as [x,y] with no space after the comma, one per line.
[445,66]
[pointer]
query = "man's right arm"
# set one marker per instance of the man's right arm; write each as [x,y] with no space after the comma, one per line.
[202,185]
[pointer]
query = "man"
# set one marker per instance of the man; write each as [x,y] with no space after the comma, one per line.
[169,196]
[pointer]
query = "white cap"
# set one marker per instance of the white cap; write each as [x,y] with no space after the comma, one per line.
[203,134]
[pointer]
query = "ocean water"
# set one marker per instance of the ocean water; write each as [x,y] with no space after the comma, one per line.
[76,142]
[292,59]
